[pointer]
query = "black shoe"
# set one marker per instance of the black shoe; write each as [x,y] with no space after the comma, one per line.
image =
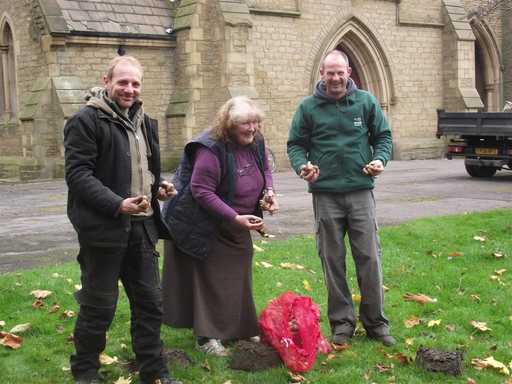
[386,340]
[340,338]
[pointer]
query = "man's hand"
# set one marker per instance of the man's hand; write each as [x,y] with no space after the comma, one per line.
[166,191]
[309,172]
[269,202]
[249,222]
[132,205]
[373,168]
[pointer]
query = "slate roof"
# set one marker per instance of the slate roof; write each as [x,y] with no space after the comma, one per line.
[142,18]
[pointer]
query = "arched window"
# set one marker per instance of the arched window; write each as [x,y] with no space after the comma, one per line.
[7,74]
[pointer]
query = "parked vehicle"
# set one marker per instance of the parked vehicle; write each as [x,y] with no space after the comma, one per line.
[483,139]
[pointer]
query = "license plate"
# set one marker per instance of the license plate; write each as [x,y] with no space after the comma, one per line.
[486,151]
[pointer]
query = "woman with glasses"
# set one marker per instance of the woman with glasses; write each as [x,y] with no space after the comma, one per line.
[223,184]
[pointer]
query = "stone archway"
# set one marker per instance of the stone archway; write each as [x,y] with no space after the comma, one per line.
[8,103]
[367,57]
[488,70]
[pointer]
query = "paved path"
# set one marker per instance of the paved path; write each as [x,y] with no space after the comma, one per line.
[34,229]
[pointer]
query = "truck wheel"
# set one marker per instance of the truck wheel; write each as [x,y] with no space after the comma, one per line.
[479,170]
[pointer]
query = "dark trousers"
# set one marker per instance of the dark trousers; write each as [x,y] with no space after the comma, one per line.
[137,268]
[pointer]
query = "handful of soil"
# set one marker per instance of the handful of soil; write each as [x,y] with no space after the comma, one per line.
[250,356]
[434,360]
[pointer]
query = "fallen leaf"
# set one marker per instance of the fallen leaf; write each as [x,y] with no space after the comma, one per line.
[412,322]
[206,365]
[385,288]
[2,324]
[470,381]
[264,264]
[68,314]
[490,362]
[122,380]
[356,298]
[475,298]
[9,340]
[455,254]
[291,266]
[500,272]
[70,281]
[107,360]
[409,341]
[480,325]
[40,294]
[419,298]
[296,378]
[340,347]
[479,238]
[498,255]
[54,308]
[66,369]
[124,346]
[307,286]
[450,327]
[21,328]
[433,323]
[38,304]
[78,287]
[382,368]
[257,249]
[59,329]
[55,275]
[279,284]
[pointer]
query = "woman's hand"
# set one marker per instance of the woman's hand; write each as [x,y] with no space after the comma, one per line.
[249,222]
[269,202]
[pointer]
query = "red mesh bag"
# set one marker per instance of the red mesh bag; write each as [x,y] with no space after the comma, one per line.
[290,324]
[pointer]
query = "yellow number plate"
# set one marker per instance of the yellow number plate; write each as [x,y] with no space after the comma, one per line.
[486,151]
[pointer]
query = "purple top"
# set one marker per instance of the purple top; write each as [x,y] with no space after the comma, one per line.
[249,182]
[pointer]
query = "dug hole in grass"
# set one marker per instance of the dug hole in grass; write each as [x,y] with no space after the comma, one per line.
[457,266]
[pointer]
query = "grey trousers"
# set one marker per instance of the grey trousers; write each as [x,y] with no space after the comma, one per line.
[337,214]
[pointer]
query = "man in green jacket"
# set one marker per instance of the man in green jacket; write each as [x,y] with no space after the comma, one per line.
[339,141]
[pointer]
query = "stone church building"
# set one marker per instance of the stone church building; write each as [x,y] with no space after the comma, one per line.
[415,56]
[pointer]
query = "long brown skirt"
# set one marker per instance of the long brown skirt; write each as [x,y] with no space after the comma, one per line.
[212,296]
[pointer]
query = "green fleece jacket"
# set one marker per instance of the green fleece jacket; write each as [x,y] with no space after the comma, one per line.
[341,137]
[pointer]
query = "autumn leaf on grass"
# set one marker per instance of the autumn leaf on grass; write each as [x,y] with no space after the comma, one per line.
[264,264]
[455,254]
[498,255]
[419,298]
[307,286]
[107,360]
[9,340]
[330,356]
[383,368]
[412,322]
[340,347]
[500,272]
[434,323]
[257,249]
[409,341]
[55,308]
[490,362]
[475,297]
[480,325]
[479,238]
[206,365]
[296,378]
[228,382]
[40,294]
[2,324]
[68,314]
[291,266]
[38,304]
[21,328]
[122,380]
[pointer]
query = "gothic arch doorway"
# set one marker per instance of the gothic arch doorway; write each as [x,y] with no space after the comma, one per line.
[370,67]
[488,71]
[7,72]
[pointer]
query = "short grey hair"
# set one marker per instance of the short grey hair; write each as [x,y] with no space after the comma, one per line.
[335,52]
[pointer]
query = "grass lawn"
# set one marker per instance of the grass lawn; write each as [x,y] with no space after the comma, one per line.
[463,262]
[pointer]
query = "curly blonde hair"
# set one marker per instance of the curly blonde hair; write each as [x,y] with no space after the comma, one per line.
[234,111]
